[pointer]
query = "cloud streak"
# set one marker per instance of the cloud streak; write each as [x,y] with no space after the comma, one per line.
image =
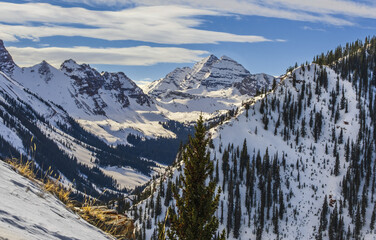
[157,24]
[136,56]
[326,11]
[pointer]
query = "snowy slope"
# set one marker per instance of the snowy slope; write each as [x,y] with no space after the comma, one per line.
[299,168]
[28,212]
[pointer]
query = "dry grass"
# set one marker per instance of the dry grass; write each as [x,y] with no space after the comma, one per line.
[106,219]
[25,168]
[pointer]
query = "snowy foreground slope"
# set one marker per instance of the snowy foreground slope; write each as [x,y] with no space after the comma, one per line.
[304,144]
[28,212]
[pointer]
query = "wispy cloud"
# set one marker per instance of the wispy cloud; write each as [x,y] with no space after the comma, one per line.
[143,83]
[308,28]
[137,56]
[158,24]
[335,12]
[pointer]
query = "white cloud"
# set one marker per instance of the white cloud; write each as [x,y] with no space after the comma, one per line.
[137,56]
[158,24]
[313,29]
[143,83]
[326,11]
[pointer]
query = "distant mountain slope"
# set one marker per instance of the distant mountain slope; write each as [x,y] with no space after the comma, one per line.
[28,212]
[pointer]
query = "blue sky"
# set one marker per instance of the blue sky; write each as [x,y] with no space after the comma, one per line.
[146,39]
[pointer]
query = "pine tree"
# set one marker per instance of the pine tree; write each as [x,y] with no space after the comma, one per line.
[244,158]
[230,205]
[238,212]
[294,80]
[265,120]
[281,205]
[196,207]
[168,194]
[158,205]
[275,221]
[373,218]
[246,106]
[336,165]
[323,218]
[358,223]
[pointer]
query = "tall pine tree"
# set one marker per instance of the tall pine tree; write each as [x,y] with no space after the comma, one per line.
[196,206]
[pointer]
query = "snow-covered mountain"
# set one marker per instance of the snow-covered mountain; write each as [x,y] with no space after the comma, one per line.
[213,85]
[298,164]
[109,105]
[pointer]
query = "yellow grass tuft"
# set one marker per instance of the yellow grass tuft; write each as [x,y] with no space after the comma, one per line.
[26,168]
[108,220]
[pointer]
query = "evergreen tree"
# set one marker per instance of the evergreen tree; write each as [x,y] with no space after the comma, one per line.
[323,218]
[275,221]
[158,205]
[336,165]
[358,223]
[373,218]
[238,212]
[265,120]
[196,207]
[244,158]
[168,196]
[246,106]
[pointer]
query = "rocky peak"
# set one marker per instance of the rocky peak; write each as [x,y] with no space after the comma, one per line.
[224,73]
[71,67]
[88,80]
[45,71]
[124,87]
[68,65]
[7,64]
[119,80]
[204,65]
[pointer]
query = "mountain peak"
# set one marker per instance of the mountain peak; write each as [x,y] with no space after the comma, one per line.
[226,58]
[209,59]
[6,61]
[69,64]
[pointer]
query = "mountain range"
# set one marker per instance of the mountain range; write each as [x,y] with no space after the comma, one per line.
[107,124]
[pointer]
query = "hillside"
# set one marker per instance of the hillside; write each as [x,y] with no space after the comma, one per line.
[299,163]
[28,212]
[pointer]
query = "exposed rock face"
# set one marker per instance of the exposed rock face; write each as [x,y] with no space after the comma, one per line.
[253,83]
[7,64]
[90,82]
